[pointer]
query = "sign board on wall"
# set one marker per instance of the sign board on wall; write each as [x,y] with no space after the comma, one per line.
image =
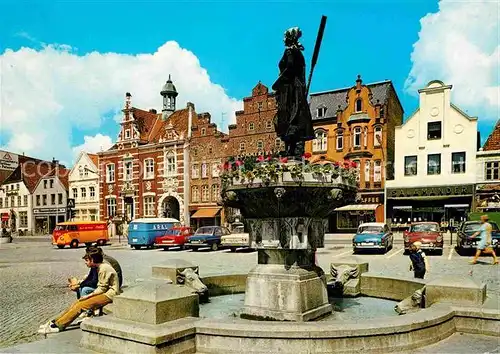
[450,191]
[8,160]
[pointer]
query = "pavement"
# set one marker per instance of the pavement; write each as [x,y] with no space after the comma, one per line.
[34,276]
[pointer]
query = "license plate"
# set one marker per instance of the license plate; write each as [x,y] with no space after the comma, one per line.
[367,243]
[195,241]
[134,240]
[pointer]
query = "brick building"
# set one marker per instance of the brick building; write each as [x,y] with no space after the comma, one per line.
[253,133]
[358,123]
[487,196]
[143,174]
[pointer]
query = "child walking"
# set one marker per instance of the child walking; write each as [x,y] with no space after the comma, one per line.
[419,263]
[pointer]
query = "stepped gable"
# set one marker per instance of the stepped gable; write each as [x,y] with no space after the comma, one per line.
[493,141]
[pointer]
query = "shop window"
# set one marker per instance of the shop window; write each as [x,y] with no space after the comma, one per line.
[149,206]
[340,139]
[195,194]
[359,105]
[205,194]
[321,141]
[357,137]
[433,130]
[149,169]
[410,165]
[458,162]
[377,172]
[434,164]
[215,192]
[110,173]
[111,207]
[195,171]
[492,170]
[377,141]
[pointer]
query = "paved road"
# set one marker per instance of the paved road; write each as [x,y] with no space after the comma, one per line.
[34,275]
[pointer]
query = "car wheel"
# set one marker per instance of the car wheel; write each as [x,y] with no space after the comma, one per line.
[165,248]
[233,249]
[182,248]
[137,247]
[73,244]
[214,246]
[60,246]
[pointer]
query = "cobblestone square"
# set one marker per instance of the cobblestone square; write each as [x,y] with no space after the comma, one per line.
[34,274]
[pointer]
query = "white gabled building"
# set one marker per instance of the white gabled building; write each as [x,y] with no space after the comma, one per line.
[435,161]
[84,187]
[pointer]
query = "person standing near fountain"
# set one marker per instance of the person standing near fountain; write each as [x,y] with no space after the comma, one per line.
[419,263]
[293,121]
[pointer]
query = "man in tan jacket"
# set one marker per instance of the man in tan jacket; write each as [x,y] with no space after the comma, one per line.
[107,287]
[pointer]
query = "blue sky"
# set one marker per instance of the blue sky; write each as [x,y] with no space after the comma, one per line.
[237,43]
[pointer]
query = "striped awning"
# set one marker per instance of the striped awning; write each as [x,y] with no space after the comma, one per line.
[357,207]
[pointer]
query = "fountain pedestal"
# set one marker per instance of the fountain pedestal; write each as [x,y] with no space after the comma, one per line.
[286,286]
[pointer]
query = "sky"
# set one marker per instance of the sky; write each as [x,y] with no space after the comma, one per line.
[65,66]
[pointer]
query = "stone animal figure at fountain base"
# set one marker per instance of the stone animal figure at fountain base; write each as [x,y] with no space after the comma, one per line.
[412,303]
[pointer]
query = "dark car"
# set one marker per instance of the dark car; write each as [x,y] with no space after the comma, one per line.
[207,236]
[428,233]
[468,228]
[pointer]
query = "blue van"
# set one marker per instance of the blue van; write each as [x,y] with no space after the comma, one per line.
[142,232]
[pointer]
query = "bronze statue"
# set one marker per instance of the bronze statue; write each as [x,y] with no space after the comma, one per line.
[293,121]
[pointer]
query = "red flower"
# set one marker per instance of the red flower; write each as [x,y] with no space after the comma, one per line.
[354,164]
[336,163]
[307,155]
[284,159]
[260,158]
[268,158]
[239,163]
[225,166]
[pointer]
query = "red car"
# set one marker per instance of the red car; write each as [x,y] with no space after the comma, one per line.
[174,237]
[428,233]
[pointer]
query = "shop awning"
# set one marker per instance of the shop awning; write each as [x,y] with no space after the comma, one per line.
[408,207]
[5,216]
[206,213]
[456,205]
[357,207]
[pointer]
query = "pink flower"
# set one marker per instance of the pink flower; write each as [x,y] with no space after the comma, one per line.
[239,163]
[268,158]
[260,158]
[284,159]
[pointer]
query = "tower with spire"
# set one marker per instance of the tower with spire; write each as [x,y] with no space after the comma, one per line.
[169,94]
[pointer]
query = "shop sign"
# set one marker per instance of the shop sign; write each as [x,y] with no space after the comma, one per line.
[371,199]
[8,161]
[49,211]
[467,189]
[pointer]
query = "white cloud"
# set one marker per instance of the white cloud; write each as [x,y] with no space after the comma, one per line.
[93,145]
[460,45]
[47,93]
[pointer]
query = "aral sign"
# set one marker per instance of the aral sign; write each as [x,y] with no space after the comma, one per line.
[450,191]
[8,160]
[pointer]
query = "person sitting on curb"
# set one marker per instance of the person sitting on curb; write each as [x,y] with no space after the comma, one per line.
[87,285]
[419,263]
[107,288]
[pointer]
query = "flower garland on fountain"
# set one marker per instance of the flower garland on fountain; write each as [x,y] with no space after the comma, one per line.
[270,168]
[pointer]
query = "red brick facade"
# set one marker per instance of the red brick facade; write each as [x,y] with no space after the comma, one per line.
[493,142]
[143,174]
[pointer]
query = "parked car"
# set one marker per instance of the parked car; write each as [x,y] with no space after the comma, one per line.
[428,233]
[175,237]
[207,236]
[143,232]
[236,239]
[465,231]
[373,235]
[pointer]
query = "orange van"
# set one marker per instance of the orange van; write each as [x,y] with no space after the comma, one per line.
[72,233]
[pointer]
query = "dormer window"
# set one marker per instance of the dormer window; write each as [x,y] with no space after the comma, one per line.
[321,112]
[127,134]
[359,105]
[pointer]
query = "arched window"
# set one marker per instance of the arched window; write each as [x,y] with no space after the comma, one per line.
[377,141]
[215,192]
[359,105]
[357,137]
[340,139]
[195,194]
[320,142]
[365,137]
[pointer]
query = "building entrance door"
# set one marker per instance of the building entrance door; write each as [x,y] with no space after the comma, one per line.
[129,208]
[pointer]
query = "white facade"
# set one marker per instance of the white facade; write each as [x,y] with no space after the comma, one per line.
[84,188]
[49,203]
[16,203]
[418,138]
[488,167]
